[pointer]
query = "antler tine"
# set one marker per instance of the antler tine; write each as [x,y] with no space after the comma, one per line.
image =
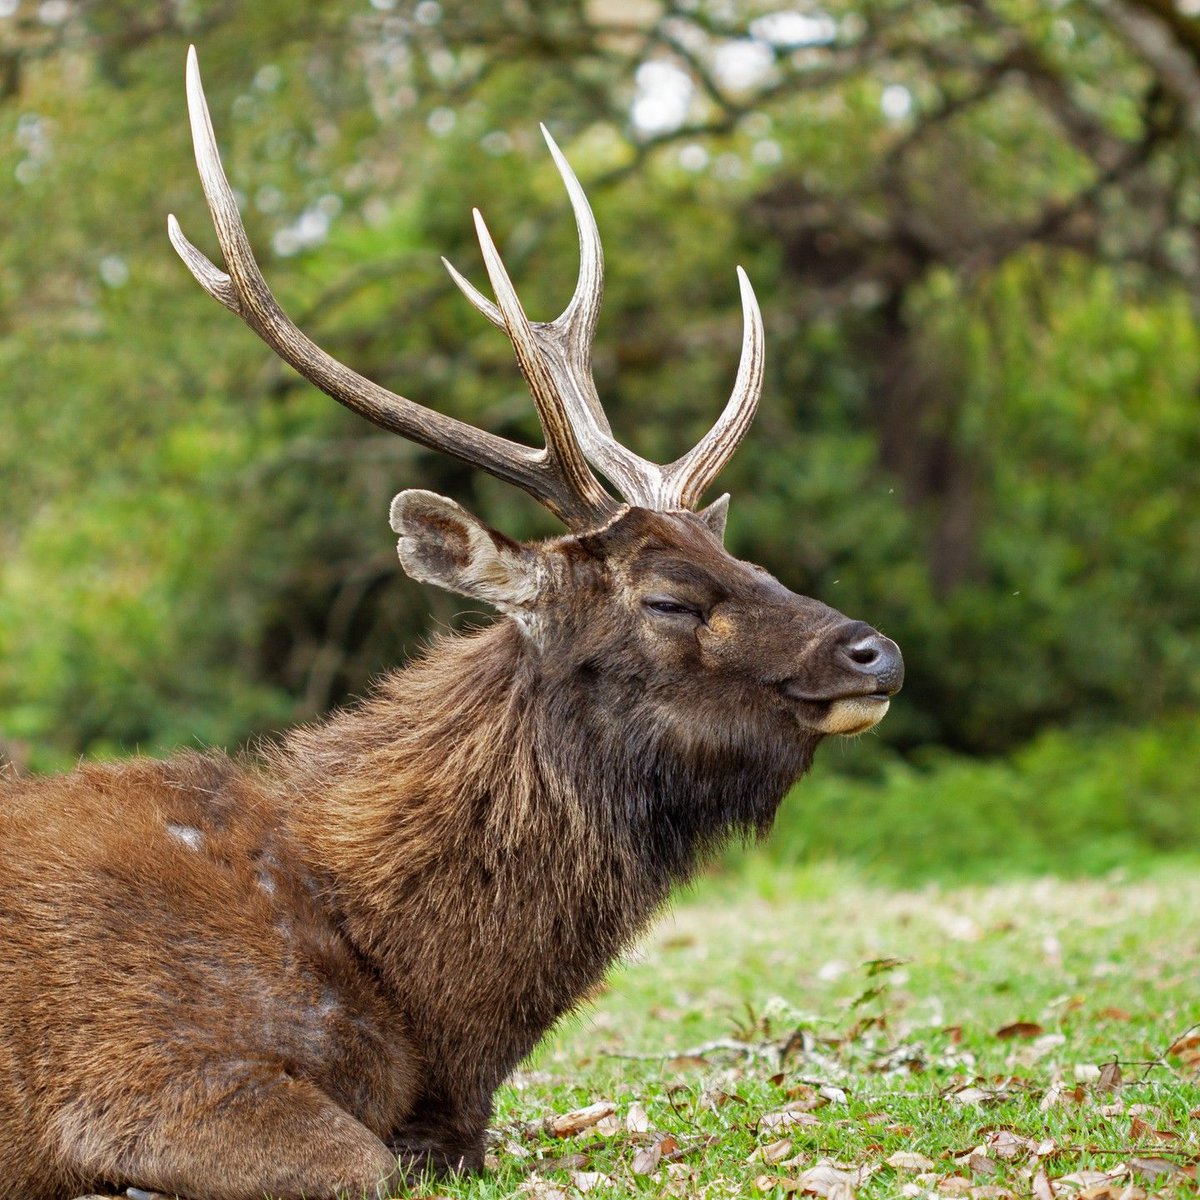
[691,474]
[563,349]
[561,445]
[572,334]
[545,475]
[583,310]
[478,300]
[567,341]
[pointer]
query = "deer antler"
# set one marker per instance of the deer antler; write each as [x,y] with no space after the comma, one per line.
[557,476]
[566,343]
[555,359]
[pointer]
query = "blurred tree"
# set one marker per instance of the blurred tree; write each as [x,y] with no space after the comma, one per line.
[972,230]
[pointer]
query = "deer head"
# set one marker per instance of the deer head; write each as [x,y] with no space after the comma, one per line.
[640,600]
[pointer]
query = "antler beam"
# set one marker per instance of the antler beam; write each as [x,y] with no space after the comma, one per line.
[558,476]
[554,357]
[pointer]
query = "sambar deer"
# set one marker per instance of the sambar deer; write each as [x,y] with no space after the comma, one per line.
[304,973]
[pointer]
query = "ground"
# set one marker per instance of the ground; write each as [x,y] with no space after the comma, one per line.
[808,1033]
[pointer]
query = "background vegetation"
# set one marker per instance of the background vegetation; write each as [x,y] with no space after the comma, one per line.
[972,228]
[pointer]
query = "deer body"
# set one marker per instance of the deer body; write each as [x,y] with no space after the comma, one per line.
[392,907]
[304,974]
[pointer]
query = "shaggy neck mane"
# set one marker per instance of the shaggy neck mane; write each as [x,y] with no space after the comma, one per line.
[475,769]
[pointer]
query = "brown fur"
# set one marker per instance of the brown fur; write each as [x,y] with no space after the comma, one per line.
[274,976]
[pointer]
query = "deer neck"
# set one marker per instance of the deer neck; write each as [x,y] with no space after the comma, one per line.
[473,773]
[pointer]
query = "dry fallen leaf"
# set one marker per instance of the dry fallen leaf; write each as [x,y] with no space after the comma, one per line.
[786,1120]
[1153,1168]
[904,1160]
[768,1183]
[542,1189]
[1189,1060]
[980,1164]
[1110,1078]
[636,1120]
[587,1181]
[804,1098]
[687,1062]
[832,1181]
[717,1098]
[1111,1191]
[1087,1177]
[570,1123]
[1007,1146]
[955,1185]
[646,1160]
[775,1151]
[1189,1041]
[1041,1187]
[1020,1029]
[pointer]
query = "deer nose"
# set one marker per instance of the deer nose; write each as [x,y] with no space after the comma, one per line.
[869,653]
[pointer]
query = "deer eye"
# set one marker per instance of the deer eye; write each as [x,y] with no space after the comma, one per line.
[671,608]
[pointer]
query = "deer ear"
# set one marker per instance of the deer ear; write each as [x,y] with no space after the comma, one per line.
[714,516]
[443,544]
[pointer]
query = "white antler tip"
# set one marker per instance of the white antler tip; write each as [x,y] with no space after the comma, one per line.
[749,299]
[486,242]
[193,71]
[549,137]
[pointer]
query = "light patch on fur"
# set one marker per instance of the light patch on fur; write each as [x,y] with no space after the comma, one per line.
[266,883]
[84,1141]
[856,715]
[189,835]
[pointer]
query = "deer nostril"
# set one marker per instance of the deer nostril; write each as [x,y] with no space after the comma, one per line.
[863,655]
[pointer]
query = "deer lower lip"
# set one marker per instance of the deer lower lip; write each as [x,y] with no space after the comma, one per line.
[864,697]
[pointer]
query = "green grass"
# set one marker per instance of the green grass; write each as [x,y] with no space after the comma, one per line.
[875,1013]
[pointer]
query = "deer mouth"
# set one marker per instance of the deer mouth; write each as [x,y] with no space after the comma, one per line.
[855,714]
[844,715]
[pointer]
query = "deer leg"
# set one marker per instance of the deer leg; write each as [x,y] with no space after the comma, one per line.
[264,1133]
[444,1137]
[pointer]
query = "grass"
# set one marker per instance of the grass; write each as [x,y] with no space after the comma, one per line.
[984,1041]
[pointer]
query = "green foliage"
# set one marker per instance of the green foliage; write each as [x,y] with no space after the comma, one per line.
[980,424]
[1068,803]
